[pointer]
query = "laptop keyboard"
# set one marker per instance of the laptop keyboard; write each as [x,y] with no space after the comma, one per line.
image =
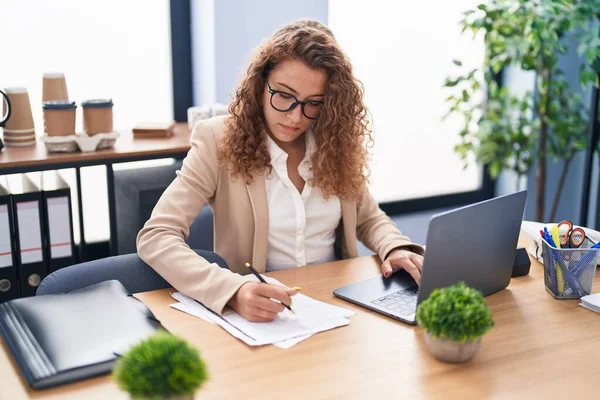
[403,302]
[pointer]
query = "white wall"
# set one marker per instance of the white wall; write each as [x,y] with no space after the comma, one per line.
[105,48]
[519,82]
[239,26]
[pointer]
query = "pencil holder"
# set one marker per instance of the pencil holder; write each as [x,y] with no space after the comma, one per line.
[569,273]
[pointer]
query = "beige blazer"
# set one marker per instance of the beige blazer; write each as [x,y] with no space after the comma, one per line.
[241,223]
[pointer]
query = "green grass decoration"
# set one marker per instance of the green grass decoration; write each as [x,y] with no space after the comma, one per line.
[160,367]
[457,313]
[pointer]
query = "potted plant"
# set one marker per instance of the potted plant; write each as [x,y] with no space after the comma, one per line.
[161,367]
[507,131]
[454,320]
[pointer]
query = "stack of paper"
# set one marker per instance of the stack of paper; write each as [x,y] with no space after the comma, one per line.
[591,302]
[311,316]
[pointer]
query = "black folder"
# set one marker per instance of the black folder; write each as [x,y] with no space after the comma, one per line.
[61,338]
[9,287]
[58,221]
[28,228]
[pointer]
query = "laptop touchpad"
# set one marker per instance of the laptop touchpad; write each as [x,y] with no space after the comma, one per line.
[374,288]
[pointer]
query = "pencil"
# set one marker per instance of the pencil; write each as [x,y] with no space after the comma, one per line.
[255,272]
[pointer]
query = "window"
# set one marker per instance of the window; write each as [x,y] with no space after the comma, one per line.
[402,52]
[108,48]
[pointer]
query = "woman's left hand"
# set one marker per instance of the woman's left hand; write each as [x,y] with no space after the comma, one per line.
[403,259]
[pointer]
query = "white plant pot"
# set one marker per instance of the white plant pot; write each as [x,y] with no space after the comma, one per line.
[452,352]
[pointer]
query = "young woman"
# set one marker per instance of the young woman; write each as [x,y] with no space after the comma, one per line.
[286,177]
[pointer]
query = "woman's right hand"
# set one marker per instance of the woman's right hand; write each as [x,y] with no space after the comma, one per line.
[253,301]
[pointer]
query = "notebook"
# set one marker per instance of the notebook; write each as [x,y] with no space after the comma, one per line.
[154,130]
[56,339]
[591,302]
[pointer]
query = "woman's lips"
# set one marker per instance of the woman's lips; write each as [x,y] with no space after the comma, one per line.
[289,128]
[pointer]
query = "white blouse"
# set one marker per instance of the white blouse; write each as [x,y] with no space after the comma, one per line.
[301,225]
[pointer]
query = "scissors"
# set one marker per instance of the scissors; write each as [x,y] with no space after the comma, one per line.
[573,238]
[570,238]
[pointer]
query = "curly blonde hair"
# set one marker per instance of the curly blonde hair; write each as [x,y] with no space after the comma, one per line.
[342,131]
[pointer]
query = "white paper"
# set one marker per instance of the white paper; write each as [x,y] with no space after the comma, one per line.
[284,326]
[30,235]
[311,316]
[59,227]
[590,307]
[5,247]
[195,311]
[205,315]
[192,307]
[591,300]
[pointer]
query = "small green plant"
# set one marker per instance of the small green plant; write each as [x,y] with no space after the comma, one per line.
[159,367]
[457,313]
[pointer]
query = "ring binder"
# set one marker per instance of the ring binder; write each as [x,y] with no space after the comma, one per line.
[9,288]
[58,221]
[28,227]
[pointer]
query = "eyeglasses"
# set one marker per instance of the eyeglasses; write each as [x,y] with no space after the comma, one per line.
[284,102]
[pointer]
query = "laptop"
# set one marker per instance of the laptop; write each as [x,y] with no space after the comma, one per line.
[475,244]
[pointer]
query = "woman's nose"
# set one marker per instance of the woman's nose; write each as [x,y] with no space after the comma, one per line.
[296,114]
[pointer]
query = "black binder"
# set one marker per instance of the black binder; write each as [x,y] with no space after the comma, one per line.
[28,228]
[9,287]
[58,221]
[61,338]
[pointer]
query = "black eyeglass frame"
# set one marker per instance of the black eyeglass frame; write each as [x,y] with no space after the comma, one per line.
[294,104]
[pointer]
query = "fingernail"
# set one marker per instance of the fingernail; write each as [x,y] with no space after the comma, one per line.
[291,303]
[298,288]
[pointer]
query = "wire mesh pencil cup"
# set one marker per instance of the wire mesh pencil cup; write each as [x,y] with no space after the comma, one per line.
[569,273]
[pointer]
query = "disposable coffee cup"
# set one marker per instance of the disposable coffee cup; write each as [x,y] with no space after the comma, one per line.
[97,116]
[54,87]
[59,117]
[19,140]
[21,118]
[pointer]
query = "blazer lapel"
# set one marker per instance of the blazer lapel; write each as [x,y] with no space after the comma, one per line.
[257,192]
[349,224]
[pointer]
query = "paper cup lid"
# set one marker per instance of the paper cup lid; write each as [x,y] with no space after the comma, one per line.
[97,103]
[54,75]
[59,105]
[16,90]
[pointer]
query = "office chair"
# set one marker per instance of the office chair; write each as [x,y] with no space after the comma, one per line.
[201,234]
[129,269]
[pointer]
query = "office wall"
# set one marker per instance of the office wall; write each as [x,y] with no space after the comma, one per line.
[203,51]
[570,203]
[224,43]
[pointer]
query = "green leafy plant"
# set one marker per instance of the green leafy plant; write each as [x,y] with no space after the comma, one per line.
[457,313]
[159,367]
[508,131]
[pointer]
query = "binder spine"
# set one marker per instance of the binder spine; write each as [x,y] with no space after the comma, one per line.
[9,287]
[58,221]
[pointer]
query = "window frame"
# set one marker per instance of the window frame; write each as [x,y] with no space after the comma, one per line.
[181,58]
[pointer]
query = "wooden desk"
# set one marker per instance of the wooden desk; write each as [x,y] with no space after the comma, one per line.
[539,348]
[36,158]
